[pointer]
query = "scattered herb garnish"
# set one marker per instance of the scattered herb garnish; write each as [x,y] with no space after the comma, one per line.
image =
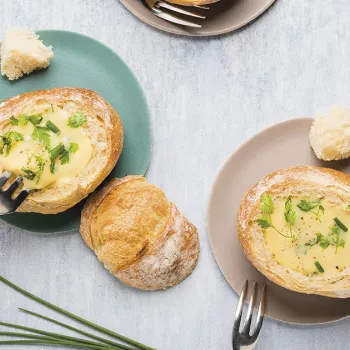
[338,242]
[8,139]
[62,154]
[35,119]
[340,224]
[348,207]
[267,207]
[289,214]
[319,267]
[77,119]
[52,108]
[14,121]
[73,147]
[307,206]
[30,173]
[64,157]
[41,133]
[54,153]
[51,126]
[321,240]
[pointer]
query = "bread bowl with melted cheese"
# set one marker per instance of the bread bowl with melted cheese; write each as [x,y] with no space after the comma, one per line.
[293,226]
[63,142]
[139,236]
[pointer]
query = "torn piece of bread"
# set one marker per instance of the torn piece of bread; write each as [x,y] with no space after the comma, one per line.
[330,135]
[139,236]
[22,52]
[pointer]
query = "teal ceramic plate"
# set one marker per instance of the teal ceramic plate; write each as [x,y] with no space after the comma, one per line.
[84,62]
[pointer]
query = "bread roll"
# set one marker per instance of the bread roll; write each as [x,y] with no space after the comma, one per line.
[293,228]
[22,52]
[330,135]
[88,142]
[139,236]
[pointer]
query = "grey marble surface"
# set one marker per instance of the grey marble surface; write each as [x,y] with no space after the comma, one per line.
[206,97]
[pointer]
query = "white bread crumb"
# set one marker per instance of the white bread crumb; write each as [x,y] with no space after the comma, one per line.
[330,135]
[22,52]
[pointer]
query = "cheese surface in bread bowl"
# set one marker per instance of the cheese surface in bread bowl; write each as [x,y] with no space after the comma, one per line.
[139,236]
[293,226]
[63,142]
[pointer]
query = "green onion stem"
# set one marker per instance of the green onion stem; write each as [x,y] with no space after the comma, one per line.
[75,317]
[55,152]
[90,335]
[50,125]
[57,336]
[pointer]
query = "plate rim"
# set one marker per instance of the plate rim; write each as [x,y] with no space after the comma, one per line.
[209,34]
[208,216]
[148,114]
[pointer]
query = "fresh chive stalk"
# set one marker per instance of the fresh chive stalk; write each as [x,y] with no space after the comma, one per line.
[51,342]
[75,317]
[57,336]
[319,266]
[340,225]
[55,152]
[90,335]
[50,125]
[38,337]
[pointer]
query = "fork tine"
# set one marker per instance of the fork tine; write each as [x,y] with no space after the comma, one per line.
[202,7]
[260,317]
[13,186]
[4,178]
[178,9]
[240,306]
[21,197]
[248,320]
[174,19]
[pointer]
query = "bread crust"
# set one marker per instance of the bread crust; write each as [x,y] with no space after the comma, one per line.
[302,180]
[104,129]
[170,259]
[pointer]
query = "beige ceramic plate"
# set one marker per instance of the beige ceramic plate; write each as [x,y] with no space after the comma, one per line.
[283,145]
[223,17]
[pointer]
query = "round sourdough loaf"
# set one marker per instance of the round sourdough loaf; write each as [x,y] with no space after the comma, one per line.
[303,182]
[139,236]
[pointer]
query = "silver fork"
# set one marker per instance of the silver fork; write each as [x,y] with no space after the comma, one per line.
[245,338]
[160,9]
[8,202]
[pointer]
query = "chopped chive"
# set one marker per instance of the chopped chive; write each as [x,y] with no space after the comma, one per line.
[55,152]
[340,224]
[52,109]
[319,266]
[75,317]
[50,125]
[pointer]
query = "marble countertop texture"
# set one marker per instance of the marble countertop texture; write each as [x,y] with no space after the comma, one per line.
[206,97]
